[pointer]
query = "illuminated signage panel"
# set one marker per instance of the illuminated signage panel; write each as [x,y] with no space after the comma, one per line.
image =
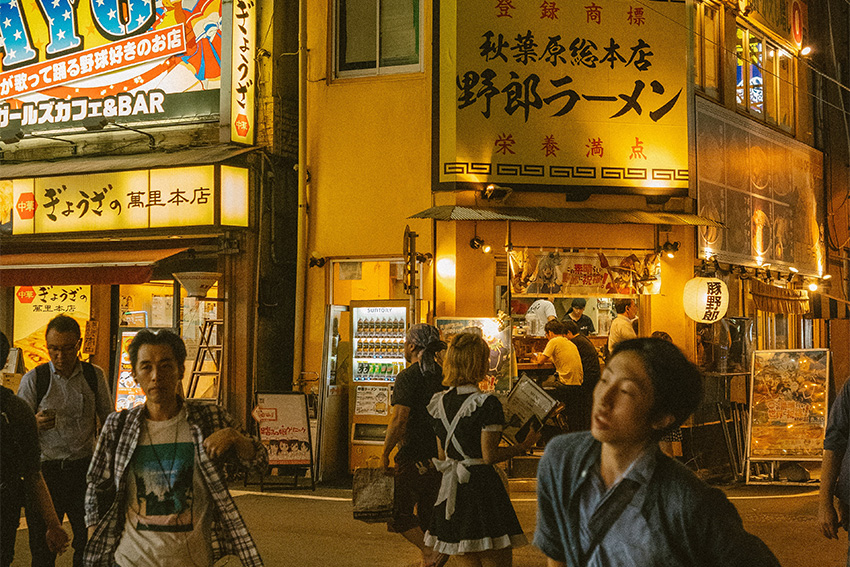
[242,125]
[128,200]
[234,196]
[183,196]
[563,93]
[142,62]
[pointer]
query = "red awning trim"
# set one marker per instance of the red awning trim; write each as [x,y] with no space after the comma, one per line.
[109,267]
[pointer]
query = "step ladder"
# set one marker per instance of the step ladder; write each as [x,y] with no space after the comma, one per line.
[207,351]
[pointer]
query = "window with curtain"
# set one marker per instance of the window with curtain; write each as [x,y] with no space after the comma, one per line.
[376,37]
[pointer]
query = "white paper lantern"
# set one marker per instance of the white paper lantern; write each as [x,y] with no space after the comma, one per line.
[705,299]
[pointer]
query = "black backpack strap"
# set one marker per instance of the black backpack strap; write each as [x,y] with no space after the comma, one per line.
[42,382]
[42,379]
[90,375]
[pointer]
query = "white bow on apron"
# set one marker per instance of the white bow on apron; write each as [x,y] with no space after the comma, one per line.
[455,471]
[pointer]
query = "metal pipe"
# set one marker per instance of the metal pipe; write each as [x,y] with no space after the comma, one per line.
[301,267]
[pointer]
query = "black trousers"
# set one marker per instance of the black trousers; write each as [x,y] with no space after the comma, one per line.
[11,501]
[66,481]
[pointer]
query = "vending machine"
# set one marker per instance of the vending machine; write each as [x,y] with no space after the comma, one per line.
[377,341]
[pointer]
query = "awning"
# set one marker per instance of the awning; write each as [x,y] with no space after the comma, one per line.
[825,306]
[562,215]
[81,268]
[77,165]
[777,299]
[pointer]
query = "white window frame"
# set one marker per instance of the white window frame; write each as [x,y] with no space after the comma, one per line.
[377,70]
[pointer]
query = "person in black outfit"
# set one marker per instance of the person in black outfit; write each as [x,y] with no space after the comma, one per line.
[577,316]
[591,369]
[21,472]
[417,482]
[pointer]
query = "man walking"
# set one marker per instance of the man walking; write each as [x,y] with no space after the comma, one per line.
[68,396]
[156,484]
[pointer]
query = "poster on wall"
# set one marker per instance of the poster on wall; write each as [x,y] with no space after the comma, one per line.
[128,394]
[536,272]
[372,400]
[539,96]
[284,428]
[788,404]
[35,306]
[767,190]
[497,333]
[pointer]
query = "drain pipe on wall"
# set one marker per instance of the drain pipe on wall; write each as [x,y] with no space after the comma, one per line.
[301,267]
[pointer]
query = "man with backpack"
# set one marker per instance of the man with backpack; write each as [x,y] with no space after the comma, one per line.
[68,397]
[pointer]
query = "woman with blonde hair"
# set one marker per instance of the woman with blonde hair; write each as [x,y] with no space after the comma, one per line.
[473,518]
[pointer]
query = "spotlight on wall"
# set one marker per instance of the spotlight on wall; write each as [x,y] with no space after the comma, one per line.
[806,50]
[813,286]
[476,242]
[316,262]
[826,277]
[496,193]
[670,248]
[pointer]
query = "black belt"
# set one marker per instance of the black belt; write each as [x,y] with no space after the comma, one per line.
[65,464]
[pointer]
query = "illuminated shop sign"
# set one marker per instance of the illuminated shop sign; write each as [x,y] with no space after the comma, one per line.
[66,64]
[130,200]
[563,93]
[242,83]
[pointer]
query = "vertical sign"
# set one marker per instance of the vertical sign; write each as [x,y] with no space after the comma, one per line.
[242,125]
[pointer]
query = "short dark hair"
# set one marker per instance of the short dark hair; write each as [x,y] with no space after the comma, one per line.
[663,335]
[620,305]
[579,303]
[64,324]
[676,381]
[4,349]
[554,326]
[161,337]
[570,327]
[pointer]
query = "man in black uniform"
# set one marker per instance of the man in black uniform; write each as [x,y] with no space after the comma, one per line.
[577,316]
[417,481]
[590,367]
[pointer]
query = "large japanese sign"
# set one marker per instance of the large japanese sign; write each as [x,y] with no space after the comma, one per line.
[788,404]
[66,64]
[541,95]
[36,305]
[242,83]
[766,188]
[130,200]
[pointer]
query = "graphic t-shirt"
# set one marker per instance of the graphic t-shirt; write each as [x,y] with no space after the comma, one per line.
[168,522]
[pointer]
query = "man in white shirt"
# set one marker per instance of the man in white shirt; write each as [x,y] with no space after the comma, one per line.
[541,312]
[621,327]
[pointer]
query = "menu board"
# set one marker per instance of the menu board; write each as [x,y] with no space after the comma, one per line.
[284,428]
[527,408]
[788,404]
[497,334]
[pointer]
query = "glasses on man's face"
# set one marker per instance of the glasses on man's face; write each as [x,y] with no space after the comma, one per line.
[64,349]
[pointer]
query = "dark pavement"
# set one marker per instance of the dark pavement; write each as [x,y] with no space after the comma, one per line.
[301,528]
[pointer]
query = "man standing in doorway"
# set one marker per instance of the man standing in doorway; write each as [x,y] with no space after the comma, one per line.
[576,314]
[68,396]
[621,327]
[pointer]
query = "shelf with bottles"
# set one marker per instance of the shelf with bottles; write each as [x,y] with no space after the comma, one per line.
[386,328]
[380,348]
[381,371]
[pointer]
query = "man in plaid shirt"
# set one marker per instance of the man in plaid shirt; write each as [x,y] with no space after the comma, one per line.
[156,494]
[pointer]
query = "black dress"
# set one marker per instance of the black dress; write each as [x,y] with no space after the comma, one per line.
[483,517]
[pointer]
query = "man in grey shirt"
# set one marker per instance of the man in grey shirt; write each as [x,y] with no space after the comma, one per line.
[68,396]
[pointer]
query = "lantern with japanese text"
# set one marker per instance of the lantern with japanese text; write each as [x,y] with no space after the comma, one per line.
[705,299]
